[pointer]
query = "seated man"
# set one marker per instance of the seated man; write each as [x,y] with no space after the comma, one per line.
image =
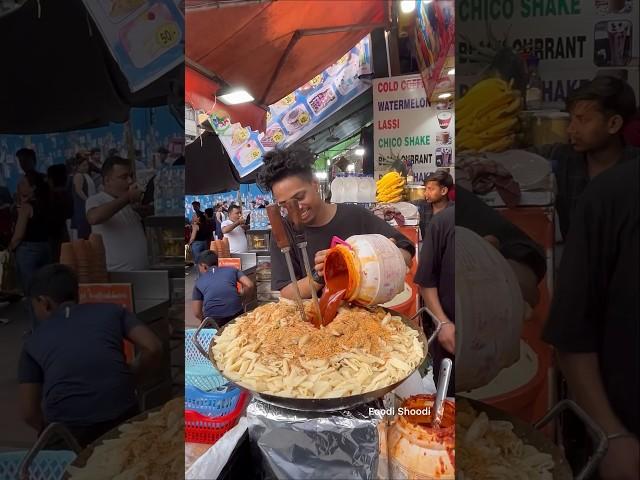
[215,294]
[72,368]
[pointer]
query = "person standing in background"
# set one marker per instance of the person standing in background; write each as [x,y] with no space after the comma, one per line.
[27,161]
[111,214]
[438,184]
[436,277]
[95,167]
[214,223]
[83,188]
[234,229]
[140,165]
[30,240]
[6,220]
[61,208]
[201,235]
[600,111]
[196,209]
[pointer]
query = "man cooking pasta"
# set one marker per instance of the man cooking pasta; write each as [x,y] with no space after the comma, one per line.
[288,175]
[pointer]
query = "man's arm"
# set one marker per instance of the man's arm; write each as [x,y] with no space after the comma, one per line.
[447,334]
[304,287]
[582,371]
[21,226]
[102,213]
[231,226]
[197,301]
[196,308]
[150,349]
[247,284]
[30,405]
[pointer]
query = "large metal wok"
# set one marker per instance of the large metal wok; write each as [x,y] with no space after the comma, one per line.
[532,435]
[327,404]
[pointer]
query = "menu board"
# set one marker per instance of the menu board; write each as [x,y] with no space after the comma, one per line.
[292,117]
[408,128]
[580,39]
[230,262]
[144,36]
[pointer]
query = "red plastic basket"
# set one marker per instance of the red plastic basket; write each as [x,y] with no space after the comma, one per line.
[202,429]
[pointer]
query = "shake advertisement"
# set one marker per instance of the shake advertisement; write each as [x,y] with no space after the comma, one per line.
[580,39]
[407,128]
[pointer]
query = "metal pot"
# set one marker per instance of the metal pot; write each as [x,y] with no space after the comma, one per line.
[415,192]
[326,404]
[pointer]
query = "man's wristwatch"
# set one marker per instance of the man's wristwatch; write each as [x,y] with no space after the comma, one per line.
[317,278]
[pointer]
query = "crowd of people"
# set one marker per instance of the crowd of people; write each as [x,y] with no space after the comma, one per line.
[85,194]
[217,223]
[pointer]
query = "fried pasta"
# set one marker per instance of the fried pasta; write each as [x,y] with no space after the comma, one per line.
[271,350]
[490,450]
[149,449]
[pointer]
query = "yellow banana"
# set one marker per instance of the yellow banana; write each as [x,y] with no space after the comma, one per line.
[500,145]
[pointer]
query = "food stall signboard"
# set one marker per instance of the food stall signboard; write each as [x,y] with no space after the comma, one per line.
[406,126]
[146,38]
[580,39]
[292,117]
[230,262]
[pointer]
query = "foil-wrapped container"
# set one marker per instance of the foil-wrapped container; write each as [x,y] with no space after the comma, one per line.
[346,444]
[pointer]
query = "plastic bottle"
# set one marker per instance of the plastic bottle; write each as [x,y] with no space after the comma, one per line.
[337,189]
[535,86]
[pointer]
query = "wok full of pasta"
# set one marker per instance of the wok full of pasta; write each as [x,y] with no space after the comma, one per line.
[361,355]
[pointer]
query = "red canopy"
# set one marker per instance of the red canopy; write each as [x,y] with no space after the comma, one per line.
[200,93]
[272,48]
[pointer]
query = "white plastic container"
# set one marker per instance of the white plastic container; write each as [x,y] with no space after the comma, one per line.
[337,188]
[375,267]
[487,331]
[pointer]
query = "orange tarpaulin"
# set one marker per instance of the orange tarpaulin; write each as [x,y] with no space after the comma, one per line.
[272,48]
[200,93]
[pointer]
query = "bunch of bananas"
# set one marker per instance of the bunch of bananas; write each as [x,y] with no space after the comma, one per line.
[487,117]
[390,188]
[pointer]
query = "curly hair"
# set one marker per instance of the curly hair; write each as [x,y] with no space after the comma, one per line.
[283,163]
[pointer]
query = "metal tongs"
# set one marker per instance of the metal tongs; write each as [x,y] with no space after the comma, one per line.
[294,214]
[441,393]
[282,240]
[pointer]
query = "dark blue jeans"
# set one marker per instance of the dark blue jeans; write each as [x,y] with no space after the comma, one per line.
[31,257]
[197,248]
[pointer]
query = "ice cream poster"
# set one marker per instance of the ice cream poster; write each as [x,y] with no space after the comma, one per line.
[145,37]
[292,117]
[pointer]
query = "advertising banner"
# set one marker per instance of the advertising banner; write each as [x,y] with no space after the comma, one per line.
[146,37]
[292,117]
[434,37]
[408,130]
[580,39]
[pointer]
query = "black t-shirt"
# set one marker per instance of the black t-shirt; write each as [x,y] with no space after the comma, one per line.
[572,177]
[437,269]
[596,304]
[78,358]
[349,220]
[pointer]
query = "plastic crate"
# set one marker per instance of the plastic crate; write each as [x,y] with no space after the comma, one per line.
[211,404]
[199,428]
[47,465]
[198,369]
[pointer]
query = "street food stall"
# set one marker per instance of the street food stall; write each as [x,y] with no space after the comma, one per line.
[322,108]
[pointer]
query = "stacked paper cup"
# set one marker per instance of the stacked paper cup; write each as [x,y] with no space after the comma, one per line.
[87,258]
